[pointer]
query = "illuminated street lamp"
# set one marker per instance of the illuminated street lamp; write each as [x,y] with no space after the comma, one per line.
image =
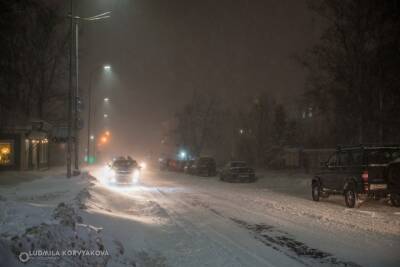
[107,133]
[106,100]
[105,116]
[74,115]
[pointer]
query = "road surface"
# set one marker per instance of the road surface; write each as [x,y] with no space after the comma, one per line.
[185,220]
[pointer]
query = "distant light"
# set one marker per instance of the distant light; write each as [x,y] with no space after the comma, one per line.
[105,115]
[92,137]
[106,99]
[104,139]
[241,131]
[107,133]
[107,67]
[182,154]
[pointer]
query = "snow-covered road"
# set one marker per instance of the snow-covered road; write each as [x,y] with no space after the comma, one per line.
[198,221]
[174,219]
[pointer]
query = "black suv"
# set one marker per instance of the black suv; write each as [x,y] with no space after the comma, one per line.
[357,172]
[203,166]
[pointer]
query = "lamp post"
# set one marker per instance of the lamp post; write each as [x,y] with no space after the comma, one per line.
[77,19]
[89,136]
[69,116]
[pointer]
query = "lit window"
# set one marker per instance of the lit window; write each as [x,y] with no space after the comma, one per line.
[6,153]
[43,151]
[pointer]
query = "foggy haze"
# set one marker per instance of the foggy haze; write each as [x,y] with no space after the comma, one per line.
[161,51]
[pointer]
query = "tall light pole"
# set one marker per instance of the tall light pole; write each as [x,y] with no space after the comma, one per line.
[77,19]
[107,68]
[69,115]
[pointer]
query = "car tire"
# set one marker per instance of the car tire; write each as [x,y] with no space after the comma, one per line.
[351,198]
[315,191]
[395,200]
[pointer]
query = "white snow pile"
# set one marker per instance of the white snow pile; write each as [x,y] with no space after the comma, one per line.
[41,225]
[61,240]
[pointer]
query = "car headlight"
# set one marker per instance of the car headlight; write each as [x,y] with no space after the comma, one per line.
[143,165]
[136,173]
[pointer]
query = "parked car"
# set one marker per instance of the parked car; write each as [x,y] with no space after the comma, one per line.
[394,182]
[188,166]
[357,172]
[237,171]
[163,164]
[203,166]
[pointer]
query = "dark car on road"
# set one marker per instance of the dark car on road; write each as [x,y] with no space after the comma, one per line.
[124,170]
[203,166]
[357,172]
[394,182]
[237,171]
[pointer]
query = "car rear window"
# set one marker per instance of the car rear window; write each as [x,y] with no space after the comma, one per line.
[382,156]
[123,163]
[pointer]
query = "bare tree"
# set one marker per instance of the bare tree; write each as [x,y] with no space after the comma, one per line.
[33,51]
[353,68]
[197,122]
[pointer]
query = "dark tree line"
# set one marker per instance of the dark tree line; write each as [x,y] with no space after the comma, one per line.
[206,126]
[33,53]
[354,79]
[352,93]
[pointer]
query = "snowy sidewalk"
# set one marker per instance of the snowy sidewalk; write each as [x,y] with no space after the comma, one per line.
[12,178]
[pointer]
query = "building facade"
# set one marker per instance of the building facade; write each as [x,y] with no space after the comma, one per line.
[25,147]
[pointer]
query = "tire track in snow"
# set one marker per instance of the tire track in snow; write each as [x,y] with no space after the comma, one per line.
[205,230]
[281,241]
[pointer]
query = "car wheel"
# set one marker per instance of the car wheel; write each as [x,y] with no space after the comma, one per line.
[351,198]
[315,191]
[395,200]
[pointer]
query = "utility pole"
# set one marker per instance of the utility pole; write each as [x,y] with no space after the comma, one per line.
[70,95]
[76,107]
[89,120]
[73,97]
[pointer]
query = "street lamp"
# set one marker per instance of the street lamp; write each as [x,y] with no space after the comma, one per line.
[77,19]
[90,104]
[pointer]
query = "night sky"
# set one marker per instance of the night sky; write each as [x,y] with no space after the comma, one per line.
[161,51]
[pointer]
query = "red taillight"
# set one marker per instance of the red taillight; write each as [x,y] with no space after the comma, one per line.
[364,176]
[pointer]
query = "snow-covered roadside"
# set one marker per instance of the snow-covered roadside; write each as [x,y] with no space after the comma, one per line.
[40,224]
[46,218]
